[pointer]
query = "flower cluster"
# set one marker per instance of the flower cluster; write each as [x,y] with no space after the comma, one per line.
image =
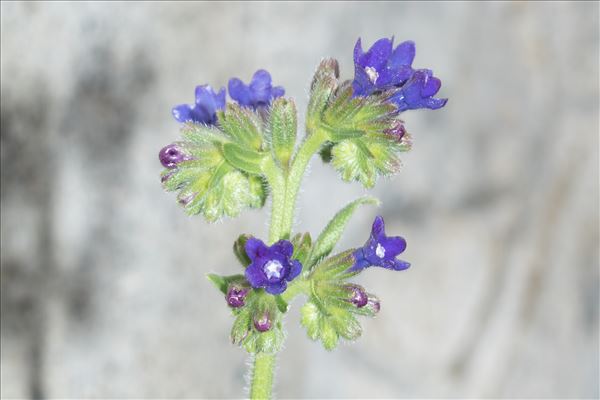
[384,67]
[233,155]
[259,93]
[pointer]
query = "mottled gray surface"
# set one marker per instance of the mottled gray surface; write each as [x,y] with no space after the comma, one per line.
[102,282]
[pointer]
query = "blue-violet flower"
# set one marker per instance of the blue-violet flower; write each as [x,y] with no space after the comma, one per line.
[382,67]
[204,111]
[380,250]
[259,93]
[418,92]
[271,267]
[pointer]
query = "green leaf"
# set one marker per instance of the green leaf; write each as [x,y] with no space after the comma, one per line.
[242,125]
[334,268]
[243,158]
[329,336]
[201,134]
[282,305]
[239,249]
[283,125]
[302,246]
[334,229]
[310,319]
[241,326]
[222,282]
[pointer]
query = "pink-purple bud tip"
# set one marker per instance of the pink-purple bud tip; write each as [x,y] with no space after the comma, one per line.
[263,323]
[172,155]
[397,131]
[236,296]
[358,296]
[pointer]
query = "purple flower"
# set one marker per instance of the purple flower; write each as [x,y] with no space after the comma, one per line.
[382,67]
[258,93]
[418,92]
[380,250]
[263,323]
[271,267]
[236,296]
[171,155]
[205,109]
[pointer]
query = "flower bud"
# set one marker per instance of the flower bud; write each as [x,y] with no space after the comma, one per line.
[263,323]
[236,296]
[397,130]
[358,296]
[172,155]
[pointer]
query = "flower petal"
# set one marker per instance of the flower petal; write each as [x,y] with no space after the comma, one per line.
[295,270]
[396,265]
[255,276]
[260,87]
[378,228]
[239,91]
[431,85]
[284,247]
[277,91]
[393,246]
[403,54]
[255,248]
[358,51]
[277,288]
[377,56]
[182,113]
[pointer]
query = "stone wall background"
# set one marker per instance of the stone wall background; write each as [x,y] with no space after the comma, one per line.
[103,294]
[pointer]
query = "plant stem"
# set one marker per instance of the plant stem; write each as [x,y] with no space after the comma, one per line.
[262,376]
[309,147]
[284,190]
[277,182]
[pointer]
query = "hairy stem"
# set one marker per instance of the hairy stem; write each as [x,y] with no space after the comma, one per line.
[284,190]
[277,183]
[309,147]
[262,376]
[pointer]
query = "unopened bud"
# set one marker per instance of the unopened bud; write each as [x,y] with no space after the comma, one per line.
[171,155]
[263,323]
[236,296]
[358,296]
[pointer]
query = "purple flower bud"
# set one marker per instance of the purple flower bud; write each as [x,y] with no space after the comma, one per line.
[397,130]
[172,155]
[236,296]
[358,296]
[263,323]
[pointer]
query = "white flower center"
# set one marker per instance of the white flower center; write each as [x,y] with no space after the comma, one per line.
[273,269]
[380,251]
[372,73]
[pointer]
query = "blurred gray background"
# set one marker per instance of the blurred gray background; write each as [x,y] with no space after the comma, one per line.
[102,277]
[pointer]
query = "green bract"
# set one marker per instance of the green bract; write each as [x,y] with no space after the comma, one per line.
[359,144]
